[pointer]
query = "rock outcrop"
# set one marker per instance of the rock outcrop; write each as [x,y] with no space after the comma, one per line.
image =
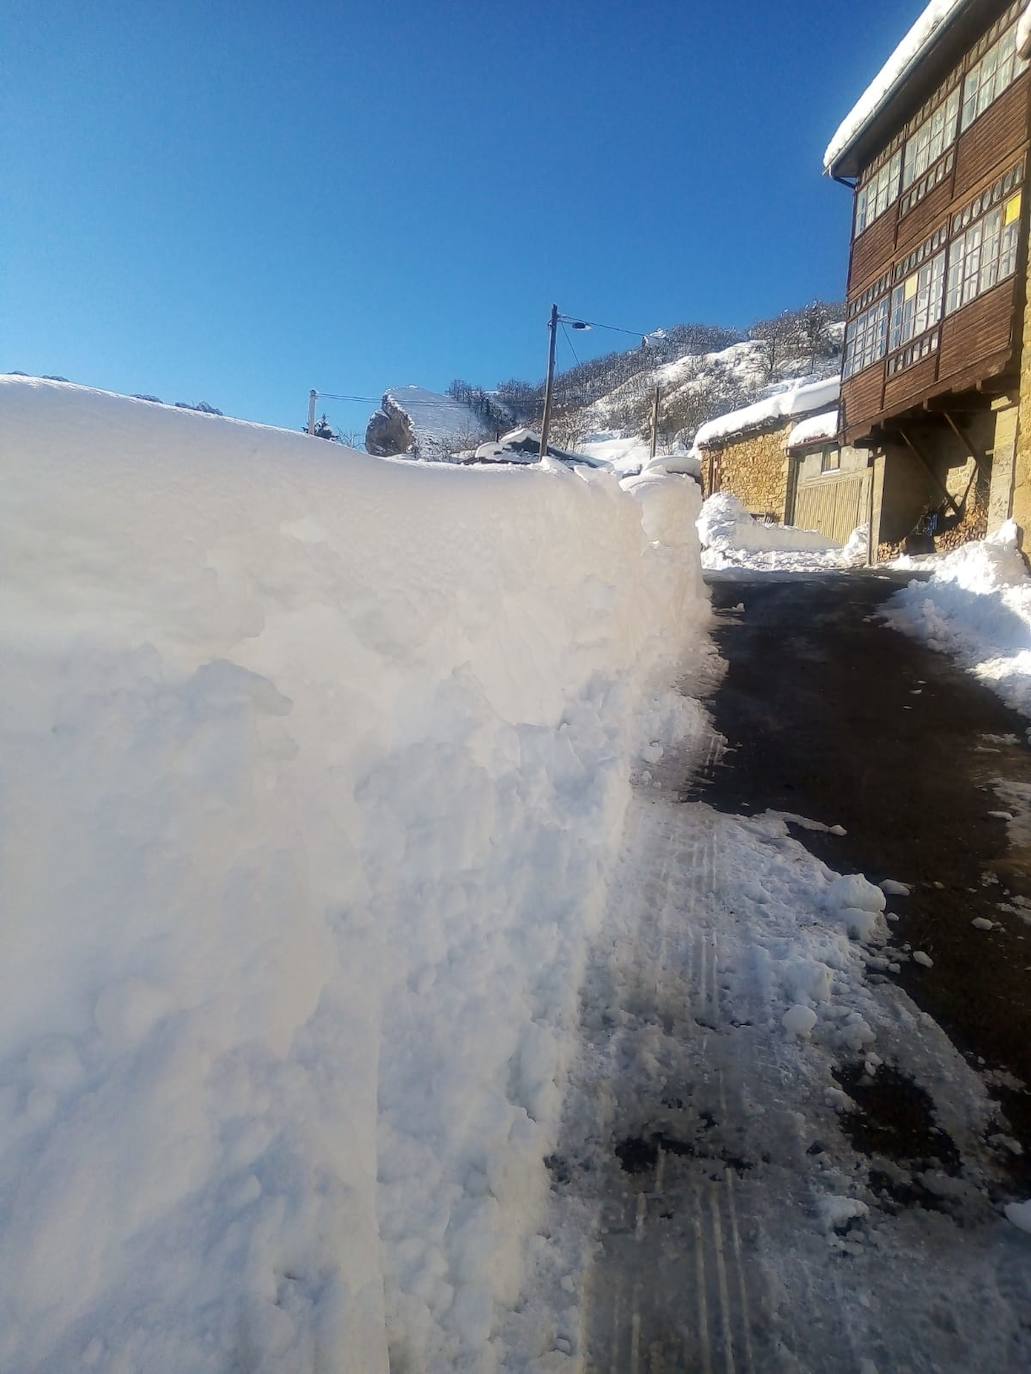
[389,431]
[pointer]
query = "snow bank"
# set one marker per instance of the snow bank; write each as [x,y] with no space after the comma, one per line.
[815,428]
[914,45]
[732,539]
[315,763]
[628,455]
[977,607]
[796,398]
[725,524]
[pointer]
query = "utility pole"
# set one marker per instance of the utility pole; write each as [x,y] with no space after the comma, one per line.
[313,396]
[655,420]
[546,422]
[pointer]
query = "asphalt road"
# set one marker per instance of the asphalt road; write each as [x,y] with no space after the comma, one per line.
[832,715]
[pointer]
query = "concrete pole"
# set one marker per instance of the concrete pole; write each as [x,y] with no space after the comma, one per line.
[655,421]
[313,396]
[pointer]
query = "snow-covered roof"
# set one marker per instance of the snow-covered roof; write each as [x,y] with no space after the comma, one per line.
[796,398]
[433,415]
[814,428]
[909,53]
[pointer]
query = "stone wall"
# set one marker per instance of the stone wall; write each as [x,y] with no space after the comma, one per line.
[753,467]
[1003,461]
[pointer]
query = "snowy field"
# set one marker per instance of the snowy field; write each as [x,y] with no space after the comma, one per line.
[976,607]
[316,770]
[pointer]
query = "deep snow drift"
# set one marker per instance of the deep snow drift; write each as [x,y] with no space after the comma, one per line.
[315,765]
[977,607]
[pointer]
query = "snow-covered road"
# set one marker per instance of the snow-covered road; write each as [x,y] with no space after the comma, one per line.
[717,1198]
[731,1195]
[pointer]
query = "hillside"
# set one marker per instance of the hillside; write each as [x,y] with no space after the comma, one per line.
[701,370]
[697,387]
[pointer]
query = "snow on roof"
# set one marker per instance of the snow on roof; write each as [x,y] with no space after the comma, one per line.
[899,65]
[797,397]
[814,428]
[434,416]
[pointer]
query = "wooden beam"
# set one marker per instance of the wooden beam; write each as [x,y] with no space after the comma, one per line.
[931,473]
[972,448]
[964,439]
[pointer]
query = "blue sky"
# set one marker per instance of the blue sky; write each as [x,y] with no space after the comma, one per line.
[237,202]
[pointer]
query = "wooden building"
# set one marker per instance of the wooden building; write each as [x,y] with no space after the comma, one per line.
[936,154]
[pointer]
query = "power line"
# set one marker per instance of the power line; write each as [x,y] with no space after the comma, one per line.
[616,328]
[569,341]
[377,400]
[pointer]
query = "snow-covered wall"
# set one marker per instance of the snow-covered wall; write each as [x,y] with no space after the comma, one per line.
[314,765]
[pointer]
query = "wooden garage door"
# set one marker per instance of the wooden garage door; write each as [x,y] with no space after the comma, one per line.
[832,505]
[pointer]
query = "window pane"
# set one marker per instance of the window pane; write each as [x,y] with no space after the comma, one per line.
[898,302]
[955,292]
[989,259]
[997,70]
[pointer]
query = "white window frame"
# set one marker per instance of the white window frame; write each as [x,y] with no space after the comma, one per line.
[987,79]
[983,255]
[879,192]
[917,303]
[927,144]
[866,339]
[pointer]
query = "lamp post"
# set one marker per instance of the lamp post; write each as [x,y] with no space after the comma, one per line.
[553,324]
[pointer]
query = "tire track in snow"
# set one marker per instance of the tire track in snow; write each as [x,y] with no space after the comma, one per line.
[684,1203]
[679,1053]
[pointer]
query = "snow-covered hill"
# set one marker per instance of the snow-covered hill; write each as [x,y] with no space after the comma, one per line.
[698,387]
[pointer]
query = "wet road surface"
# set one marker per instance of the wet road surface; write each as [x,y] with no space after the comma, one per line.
[829,713]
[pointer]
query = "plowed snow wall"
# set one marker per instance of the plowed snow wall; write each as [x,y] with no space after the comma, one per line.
[313,767]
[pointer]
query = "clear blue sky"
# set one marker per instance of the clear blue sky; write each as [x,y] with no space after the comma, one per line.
[236,202]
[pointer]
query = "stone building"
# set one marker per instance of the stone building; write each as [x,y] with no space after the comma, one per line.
[782,459]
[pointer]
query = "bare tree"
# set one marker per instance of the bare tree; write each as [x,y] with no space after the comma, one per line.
[444,448]
[570,429]
[815,333]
